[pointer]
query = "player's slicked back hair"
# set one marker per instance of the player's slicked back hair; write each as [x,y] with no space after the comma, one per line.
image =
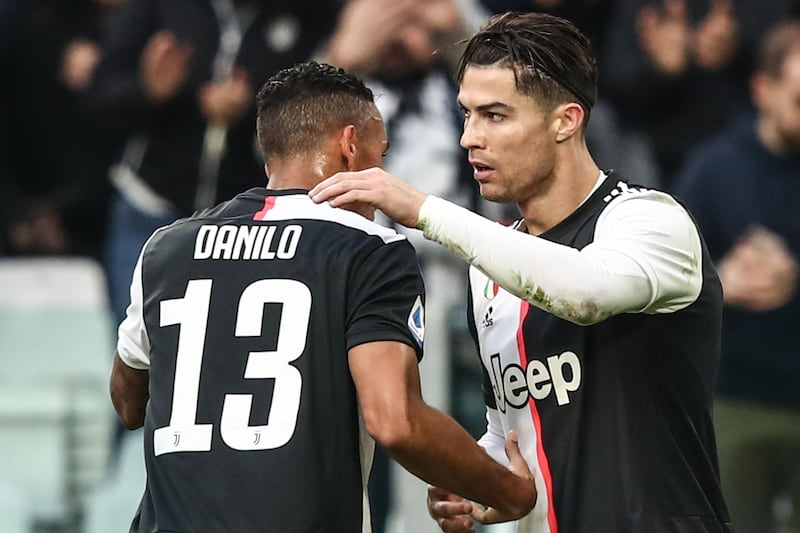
[780,41]
[551,59]
[299,106]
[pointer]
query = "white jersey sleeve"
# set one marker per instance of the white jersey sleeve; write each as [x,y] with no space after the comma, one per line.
[645,257]
[133,343]
[494,440]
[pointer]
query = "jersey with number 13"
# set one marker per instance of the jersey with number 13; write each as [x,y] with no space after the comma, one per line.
[243,316]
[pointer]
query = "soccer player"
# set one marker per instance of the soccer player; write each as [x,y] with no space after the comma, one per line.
[268,338]
[596,315]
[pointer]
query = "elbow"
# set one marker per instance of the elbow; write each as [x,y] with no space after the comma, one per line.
[523,500]
[587,319]
[577,305]
[131,423]
[586,313]
[131,416]
[128,389]
[392,432]
[132,420]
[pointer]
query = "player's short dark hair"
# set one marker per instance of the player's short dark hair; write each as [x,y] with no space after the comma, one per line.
[551,59]
[299,106]
[780,41]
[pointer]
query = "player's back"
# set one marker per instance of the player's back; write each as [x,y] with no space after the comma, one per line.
[250,308]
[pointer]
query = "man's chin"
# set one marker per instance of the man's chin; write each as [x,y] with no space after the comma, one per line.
[492,195]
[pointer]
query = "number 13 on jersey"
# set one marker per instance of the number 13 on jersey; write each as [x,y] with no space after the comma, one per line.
[184,434]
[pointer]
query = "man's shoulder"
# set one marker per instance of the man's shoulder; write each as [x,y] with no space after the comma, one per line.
[618,190]
[332,226]
[629,206]
[301,208]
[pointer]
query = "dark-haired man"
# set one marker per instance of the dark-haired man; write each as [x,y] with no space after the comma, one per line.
[596,315]
[270,339]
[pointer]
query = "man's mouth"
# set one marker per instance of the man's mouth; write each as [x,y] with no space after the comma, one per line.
[481,170]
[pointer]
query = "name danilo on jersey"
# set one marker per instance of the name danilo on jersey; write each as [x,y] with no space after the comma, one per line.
[243,242]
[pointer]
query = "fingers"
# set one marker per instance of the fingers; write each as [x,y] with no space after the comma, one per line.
[490,515]
[164,46]
[321,192]
[374,187]
[342,188]
[164,65]
[338,190]
[517,463]
[460,524]
[675,10]
[436,493]
[486,516]
[648,18]
[721,8]
[450,511]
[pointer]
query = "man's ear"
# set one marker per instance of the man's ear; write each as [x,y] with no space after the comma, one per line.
[266,169]
[569,120]
[347,146]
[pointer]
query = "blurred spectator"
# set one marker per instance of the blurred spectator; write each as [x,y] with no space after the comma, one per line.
[53,190]
[677,69]
[744,190]
[178,78]
[404,50]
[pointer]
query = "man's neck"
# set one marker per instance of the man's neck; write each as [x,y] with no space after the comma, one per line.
[569,186]
[299,172]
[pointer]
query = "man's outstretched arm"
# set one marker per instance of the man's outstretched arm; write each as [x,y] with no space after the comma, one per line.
[645,256]
[129,393]
[429,443]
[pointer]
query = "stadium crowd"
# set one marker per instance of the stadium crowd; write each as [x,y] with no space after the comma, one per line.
[120,116]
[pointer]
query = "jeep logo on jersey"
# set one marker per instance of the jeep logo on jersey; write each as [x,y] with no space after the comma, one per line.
[416,321]
[514,385]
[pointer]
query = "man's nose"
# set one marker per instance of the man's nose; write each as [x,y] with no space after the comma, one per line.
[470,138]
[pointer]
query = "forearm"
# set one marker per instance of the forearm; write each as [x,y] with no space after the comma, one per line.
[562,280]
[129,393]
[439,451]
[426,441]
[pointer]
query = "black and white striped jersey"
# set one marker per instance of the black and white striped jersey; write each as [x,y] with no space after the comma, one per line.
[243,314]
[614,417]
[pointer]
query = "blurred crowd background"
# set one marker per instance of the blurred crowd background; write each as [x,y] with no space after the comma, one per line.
[119,116]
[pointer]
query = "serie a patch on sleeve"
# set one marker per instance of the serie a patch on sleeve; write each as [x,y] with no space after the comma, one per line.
[416,321]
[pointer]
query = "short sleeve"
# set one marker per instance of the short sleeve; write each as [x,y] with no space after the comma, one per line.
[655,232]
[388,300]
[133,344]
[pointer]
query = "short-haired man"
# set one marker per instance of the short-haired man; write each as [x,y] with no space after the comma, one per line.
[268,339]
[596,315]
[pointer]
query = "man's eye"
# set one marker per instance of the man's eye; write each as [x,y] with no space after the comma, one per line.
[494,117]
